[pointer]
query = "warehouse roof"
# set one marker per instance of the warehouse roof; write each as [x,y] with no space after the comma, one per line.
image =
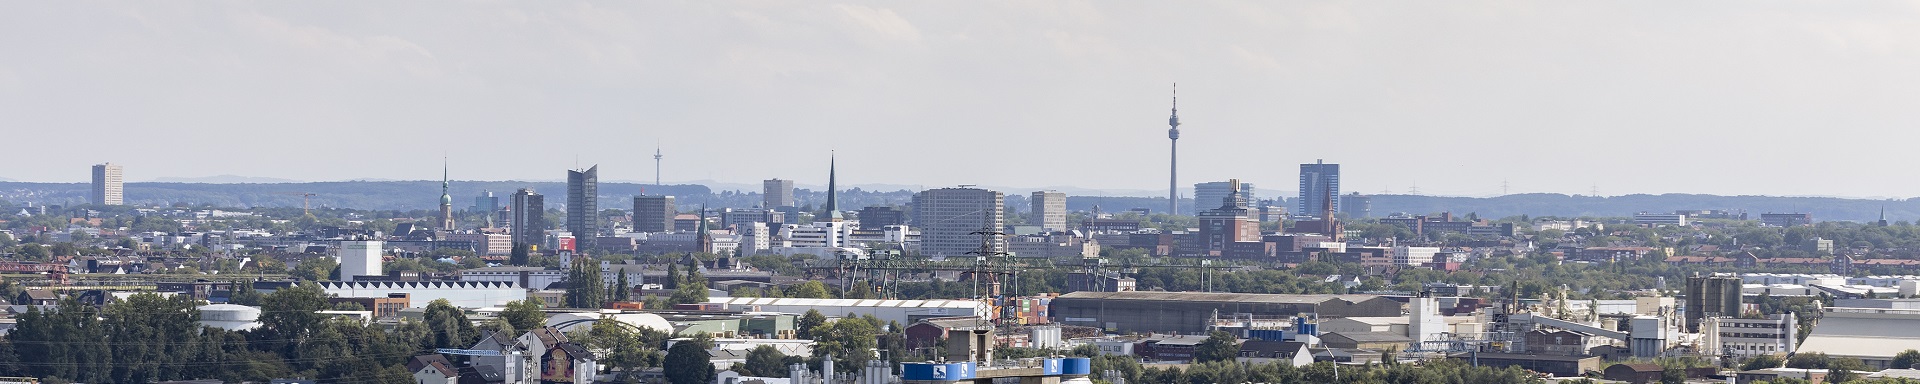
[776,301]
[1264,298]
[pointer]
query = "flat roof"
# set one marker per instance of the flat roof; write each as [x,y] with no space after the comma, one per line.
[1269,298]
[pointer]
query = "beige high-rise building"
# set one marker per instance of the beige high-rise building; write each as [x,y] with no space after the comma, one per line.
[776,193]
[950,218]
[106,184]
[1049,210]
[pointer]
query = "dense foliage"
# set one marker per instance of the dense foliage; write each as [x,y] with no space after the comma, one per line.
[147,338]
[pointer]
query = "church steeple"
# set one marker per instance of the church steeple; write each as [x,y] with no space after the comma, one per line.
[833,197]
[703,236]
[446,198]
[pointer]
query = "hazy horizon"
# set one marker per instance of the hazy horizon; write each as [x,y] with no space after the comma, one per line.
[1460,98]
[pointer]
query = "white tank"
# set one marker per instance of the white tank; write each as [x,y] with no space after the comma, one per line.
[232,317]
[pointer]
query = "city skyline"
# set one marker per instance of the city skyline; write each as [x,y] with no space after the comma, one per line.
[1478,104]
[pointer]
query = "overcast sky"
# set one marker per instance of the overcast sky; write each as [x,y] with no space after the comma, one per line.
[1744,97]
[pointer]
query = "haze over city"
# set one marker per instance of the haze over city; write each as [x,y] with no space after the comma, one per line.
[1458,98]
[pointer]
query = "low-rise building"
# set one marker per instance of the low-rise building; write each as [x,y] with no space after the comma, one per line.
[1743,338]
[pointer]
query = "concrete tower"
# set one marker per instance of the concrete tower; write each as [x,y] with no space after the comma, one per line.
[1173,155]
[656,165]
[446,199]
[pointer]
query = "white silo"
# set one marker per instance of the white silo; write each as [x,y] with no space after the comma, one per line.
[359,258]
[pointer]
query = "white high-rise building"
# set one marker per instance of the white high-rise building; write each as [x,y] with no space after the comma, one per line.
[359,258]
[1050,210]
[949,219]
[106,184]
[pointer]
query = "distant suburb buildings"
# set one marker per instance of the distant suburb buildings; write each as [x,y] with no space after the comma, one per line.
[106,184]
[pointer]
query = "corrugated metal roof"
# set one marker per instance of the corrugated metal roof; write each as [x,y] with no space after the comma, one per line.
[1218,297]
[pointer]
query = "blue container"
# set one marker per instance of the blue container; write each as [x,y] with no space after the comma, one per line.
[1076,366]
[936,372]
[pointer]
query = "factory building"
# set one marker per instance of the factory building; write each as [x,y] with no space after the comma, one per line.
[1192,312]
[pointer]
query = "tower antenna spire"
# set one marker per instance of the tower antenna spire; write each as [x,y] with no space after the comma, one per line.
[1173,155]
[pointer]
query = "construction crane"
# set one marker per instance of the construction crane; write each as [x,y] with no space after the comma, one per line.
[305,198]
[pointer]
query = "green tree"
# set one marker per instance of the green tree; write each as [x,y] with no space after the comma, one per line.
[809,290]
[1219,346]
[288,314]
[584,287]
[623,291]
[519,256]
[524,314]
[765,361]
[1815,360]
[449,325]
[850,341]
[688,363]
[806,326]
[1905,359]
[618,346]
[1844,370]
[1762,362]
[316,269]
[1673,375]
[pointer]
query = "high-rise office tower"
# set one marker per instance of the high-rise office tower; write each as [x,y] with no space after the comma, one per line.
[583,206]
[485,202]
[529,217]
[1319,186]
[446,199]
[776,193]
[878,217]
[106,184]
[1209,195]
[1356,205]
[653,213]
[1173,155]
[949,218]
[1049,210]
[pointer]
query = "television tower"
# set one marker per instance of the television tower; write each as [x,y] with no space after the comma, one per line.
[656,164]
[1173,155]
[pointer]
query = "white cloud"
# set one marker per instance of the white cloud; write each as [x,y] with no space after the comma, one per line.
[883,22]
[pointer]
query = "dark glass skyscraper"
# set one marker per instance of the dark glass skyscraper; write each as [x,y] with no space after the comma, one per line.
[529,217]
[583,206]
[1319,184]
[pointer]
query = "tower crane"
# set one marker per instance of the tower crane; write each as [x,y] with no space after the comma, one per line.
[305,198]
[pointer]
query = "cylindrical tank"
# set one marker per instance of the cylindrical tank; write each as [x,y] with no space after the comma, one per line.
[230,317]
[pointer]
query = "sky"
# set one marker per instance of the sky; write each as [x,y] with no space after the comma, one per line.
[1467,98]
